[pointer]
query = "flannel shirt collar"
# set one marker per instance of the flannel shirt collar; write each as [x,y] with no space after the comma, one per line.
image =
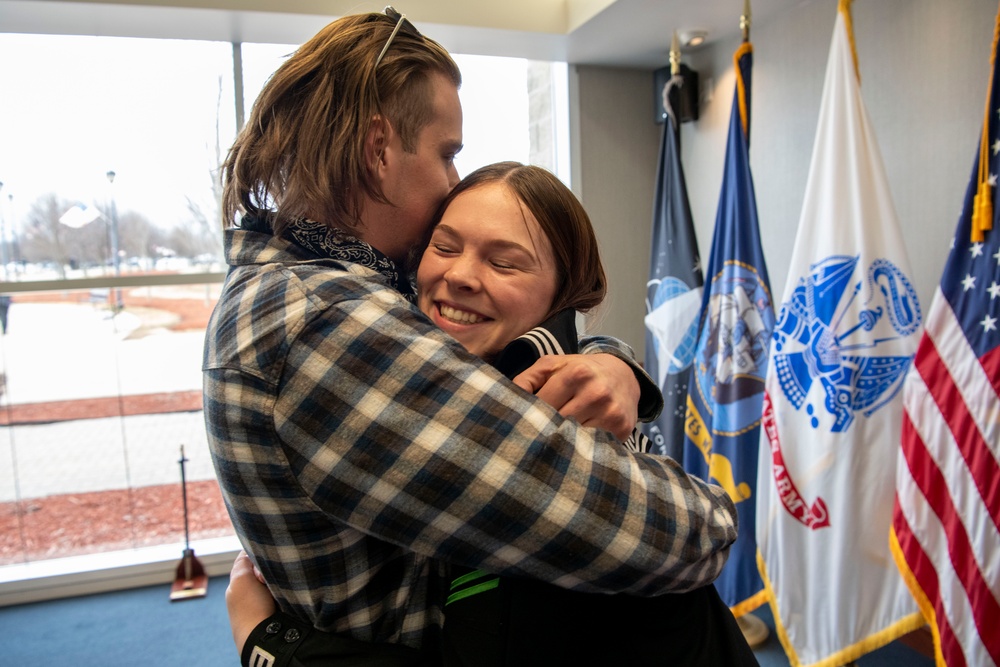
[333,243]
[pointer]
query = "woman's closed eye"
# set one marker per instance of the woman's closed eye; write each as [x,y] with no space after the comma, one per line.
[444,248]
[504,264]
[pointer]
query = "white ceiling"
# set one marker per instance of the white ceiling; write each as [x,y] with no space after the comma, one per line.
[632,33]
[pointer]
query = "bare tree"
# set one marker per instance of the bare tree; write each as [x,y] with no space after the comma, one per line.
[45,239]
[92,243]
[206,211]
[137,236]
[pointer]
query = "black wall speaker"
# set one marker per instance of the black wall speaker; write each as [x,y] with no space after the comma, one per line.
[683,99]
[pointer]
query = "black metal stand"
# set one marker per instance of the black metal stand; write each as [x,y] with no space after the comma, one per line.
[191,580]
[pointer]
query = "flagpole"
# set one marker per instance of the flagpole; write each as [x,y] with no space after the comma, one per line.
[844,7]
[675,80]
[982,212]
[675,56]
[754,630]
[745,21]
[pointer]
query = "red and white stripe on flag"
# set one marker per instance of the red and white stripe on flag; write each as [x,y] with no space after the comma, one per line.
[947,518]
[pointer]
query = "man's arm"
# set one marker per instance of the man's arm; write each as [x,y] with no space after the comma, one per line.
[337,413]
[418,439]
[650,397]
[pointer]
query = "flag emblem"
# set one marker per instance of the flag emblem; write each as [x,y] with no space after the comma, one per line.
[672,320]
[734,345]
[838,329]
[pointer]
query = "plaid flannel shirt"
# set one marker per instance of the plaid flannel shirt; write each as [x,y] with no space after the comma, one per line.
[359,448]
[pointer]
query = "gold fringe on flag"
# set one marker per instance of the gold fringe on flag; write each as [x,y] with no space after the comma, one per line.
[844,7]
[982,205]
[741,90]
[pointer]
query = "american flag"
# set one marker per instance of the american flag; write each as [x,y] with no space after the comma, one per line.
[946,519]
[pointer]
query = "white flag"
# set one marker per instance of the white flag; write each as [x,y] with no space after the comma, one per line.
[846,334]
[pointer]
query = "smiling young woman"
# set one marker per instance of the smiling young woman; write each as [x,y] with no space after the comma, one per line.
[512,246]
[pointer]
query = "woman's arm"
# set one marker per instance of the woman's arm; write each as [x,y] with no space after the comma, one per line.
[248,601]
[266,636]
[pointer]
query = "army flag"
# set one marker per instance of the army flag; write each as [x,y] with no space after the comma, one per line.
[946,521]
[845,336]
[727,377]
[673,292]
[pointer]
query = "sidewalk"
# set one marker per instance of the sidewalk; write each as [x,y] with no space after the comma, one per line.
[58,353]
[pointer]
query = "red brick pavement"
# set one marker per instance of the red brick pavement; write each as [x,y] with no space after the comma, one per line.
[94,408]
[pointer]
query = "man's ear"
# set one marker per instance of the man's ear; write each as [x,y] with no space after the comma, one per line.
[376,141]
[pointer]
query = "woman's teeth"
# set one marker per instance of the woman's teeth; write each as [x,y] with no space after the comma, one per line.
[459,316]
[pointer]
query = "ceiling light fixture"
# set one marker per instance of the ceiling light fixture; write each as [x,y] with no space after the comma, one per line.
[693,37]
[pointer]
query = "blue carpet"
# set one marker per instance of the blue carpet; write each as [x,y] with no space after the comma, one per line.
[121,629]
[142,627]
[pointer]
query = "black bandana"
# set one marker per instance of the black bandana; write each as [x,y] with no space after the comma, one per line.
[325,241]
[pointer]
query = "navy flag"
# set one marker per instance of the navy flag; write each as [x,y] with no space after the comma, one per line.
[726,391]
[673,293]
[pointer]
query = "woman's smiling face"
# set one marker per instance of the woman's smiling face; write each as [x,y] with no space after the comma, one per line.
[488,274]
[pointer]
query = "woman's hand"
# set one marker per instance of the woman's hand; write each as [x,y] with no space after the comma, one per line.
[247,599]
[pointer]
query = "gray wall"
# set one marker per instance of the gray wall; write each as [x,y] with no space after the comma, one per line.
[925,66]
[615,144]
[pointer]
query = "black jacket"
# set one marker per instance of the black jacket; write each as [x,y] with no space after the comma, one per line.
[504,622]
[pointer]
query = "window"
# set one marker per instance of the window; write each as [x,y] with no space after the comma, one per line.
[110,264]
[108,237]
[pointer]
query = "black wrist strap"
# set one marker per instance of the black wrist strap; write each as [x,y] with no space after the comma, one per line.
[273,642]
[282,641]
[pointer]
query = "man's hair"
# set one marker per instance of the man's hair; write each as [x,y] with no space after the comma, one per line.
[302,151]
[583,283]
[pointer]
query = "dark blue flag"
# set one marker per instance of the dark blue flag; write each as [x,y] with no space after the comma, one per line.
[673,294]
[726,391]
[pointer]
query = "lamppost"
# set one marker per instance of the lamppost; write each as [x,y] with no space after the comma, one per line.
[115,259]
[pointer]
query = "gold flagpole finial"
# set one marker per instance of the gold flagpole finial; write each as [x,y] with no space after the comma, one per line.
[745,21]
[675,56]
